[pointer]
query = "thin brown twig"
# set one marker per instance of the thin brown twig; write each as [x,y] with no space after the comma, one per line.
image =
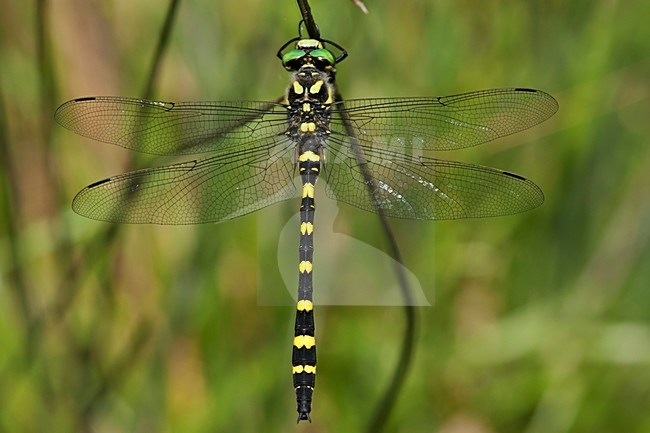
[387,402]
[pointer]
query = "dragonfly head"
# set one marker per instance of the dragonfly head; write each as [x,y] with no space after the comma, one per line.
[310,52]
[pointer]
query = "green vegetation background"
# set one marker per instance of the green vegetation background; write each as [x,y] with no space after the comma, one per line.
[540,321]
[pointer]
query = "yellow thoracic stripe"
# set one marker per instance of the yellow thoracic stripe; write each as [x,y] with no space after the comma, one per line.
[297,88]
[304,368]
[306,341]
[305,266]
[305,305]
[308,156]
[315,88]
[308,190]
[306,228]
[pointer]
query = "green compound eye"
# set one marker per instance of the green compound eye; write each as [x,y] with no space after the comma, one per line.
[323,54]
[292,55]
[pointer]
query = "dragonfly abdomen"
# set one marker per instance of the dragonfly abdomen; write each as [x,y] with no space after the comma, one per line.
[304,343]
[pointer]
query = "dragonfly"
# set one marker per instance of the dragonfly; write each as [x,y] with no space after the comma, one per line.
[373,154]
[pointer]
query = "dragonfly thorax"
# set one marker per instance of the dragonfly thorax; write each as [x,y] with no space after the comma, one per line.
[311,85]
[308,102]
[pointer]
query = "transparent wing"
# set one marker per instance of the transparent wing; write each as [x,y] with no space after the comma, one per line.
[172,128]
[443,123]
[424,188]
[214,189]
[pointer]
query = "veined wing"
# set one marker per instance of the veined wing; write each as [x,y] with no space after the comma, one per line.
[425,188]
[226,186]
[445,122]
[172,128]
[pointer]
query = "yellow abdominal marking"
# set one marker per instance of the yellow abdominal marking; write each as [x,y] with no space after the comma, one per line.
[306,341]
[308,156]
[304,368]
[306,106]
[305,266]
[297,88]
[305,305]
[315,88]
[308,190]
[306,228]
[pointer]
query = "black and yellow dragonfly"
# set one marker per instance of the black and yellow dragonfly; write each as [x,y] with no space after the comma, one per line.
[372,154]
